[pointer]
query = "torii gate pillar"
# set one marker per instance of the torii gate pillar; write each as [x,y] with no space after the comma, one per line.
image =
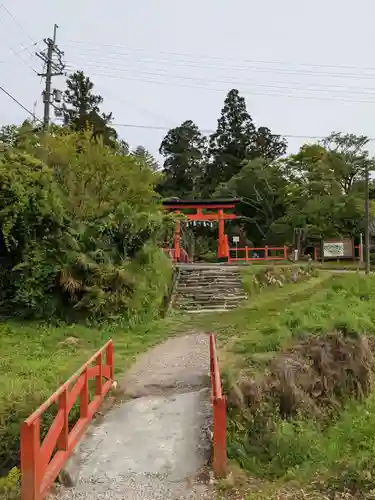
[210,210]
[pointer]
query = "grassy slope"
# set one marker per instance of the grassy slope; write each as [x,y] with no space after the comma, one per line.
[240,322]
[343,455]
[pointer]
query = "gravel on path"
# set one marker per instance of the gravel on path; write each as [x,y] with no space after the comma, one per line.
[155,445]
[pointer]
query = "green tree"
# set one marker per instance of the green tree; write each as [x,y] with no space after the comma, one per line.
[319,200]
[16,136]
[79,225]
[236,140]
[30,211]
[262,188]
[183,149]
[350,158]
[268,145]
[81,108]
[230,145]
[145,158]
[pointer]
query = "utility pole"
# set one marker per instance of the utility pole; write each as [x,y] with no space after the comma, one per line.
[54,66]
[367,221]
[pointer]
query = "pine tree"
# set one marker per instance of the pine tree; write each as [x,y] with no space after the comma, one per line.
[145,158]
[81,108]
[183,149]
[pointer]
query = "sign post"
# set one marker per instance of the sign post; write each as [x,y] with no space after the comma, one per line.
[236,240]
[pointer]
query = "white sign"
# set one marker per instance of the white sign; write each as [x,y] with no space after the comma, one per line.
[236,239]
[335,249]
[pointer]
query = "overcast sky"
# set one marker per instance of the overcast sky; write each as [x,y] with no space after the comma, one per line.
[305,68]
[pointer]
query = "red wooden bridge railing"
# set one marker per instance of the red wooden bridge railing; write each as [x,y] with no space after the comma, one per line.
[39,464]
[219,414]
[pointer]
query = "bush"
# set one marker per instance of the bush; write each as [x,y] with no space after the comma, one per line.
[75,218]
[9,485]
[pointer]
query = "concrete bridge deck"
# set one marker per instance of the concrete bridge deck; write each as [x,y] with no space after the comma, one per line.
[157,444]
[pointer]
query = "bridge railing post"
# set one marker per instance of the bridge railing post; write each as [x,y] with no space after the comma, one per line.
[219,414]
[84,396]
[220,437]
[99,376]
[110,360]
[30,447]
[62,442]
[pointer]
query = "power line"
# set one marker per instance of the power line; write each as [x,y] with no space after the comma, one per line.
[89,61]
[92,45]
[134,105]
[316,88]
[210,131]
[276,88]
[205,66]
[23,60]
[17,53]
[18,24]
[19,104]
[245,91]
[14,51]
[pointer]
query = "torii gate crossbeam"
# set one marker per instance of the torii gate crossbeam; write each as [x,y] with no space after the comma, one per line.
[209,210]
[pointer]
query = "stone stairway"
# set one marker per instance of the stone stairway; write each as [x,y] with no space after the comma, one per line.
[204,288]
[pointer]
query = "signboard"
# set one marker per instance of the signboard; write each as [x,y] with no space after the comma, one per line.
[338,249]
[333,249]
[236,239]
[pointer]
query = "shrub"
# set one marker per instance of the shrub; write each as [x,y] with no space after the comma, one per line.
[74,218]
[9,485]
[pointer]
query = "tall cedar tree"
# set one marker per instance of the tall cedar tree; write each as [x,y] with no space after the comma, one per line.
[81,108]
[145,158]
[183,149]
[236,140]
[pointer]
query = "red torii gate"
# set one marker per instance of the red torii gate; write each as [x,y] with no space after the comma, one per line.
[205,210]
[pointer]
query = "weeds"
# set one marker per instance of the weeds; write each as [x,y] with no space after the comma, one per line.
[302,411]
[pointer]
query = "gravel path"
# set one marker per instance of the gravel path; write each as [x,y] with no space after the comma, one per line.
[154,446]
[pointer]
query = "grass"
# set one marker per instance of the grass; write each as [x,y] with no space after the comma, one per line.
[327,264]
[37,358]
[300,458]
[246,320]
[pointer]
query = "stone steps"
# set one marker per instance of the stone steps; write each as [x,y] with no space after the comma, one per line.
[205,284]
[211,292]
[198,281]
[210,298]
[208,289]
